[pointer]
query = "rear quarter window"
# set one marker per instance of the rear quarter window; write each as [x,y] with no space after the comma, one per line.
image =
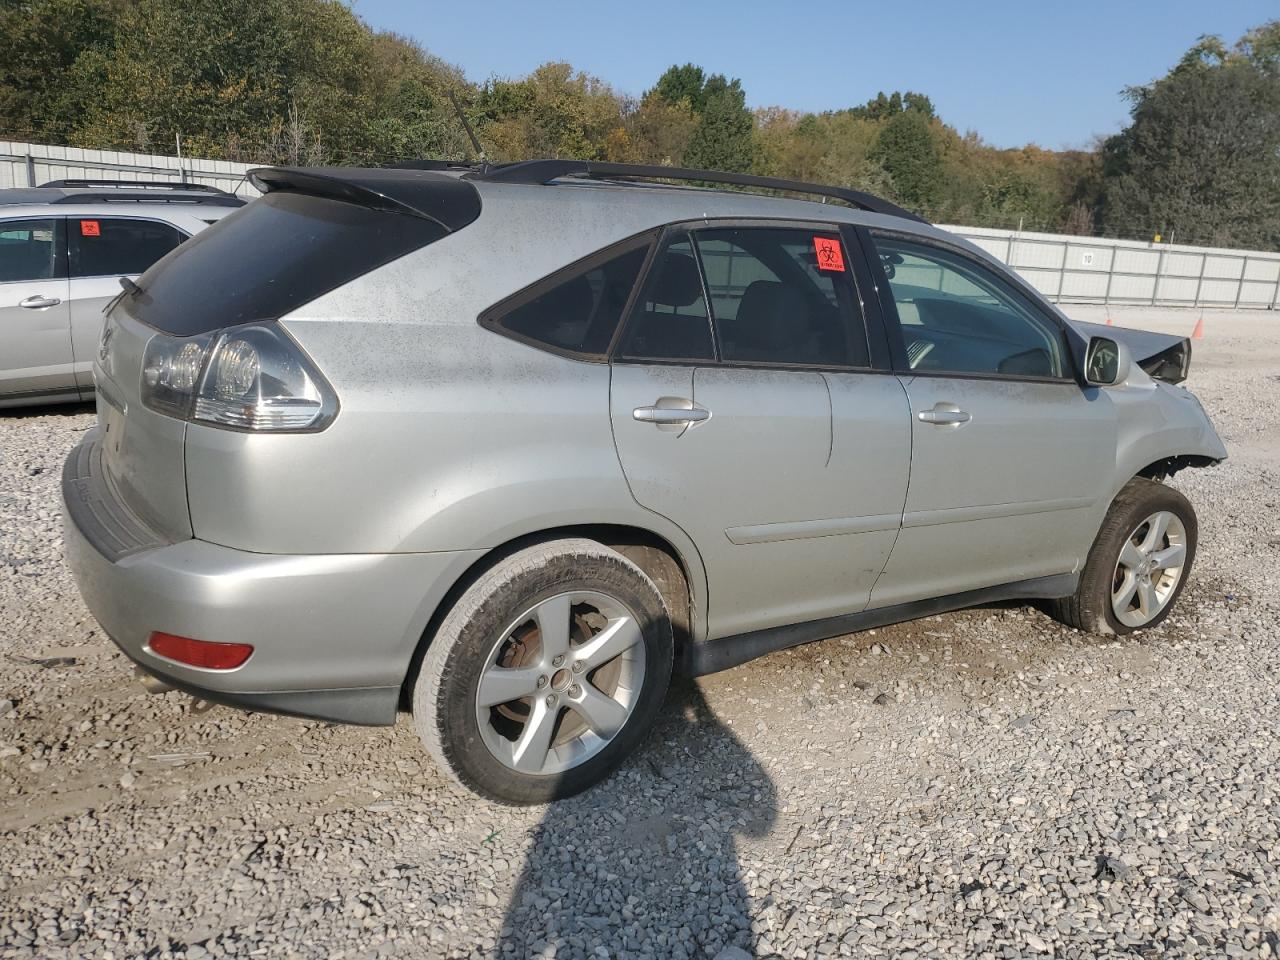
[270,257]
[577,309]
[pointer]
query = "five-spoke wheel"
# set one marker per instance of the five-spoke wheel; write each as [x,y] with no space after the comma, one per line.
[1149,569]
[546,672]
[560,682]
[1138,564]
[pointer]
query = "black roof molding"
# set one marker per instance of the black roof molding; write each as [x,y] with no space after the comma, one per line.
[548,171]
[414,191]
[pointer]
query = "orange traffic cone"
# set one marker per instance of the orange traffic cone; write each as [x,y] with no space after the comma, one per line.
[1110,322]
[1198,332]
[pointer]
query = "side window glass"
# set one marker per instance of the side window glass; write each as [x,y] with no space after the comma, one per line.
[782,296]
[29,250]
[581,312]
[957,316]
[117,247]
[670,319]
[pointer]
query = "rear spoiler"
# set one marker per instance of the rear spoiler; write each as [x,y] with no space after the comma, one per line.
[1163,356]
[446,200]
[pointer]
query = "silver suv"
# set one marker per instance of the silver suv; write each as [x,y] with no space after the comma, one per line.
[63,248]
[505,446]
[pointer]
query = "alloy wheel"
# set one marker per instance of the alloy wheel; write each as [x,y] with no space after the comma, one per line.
[1148,569]
[560,682]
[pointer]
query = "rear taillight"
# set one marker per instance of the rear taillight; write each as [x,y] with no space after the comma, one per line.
[200,653]
[246,378]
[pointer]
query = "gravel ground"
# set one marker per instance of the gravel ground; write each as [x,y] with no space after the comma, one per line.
[983,784]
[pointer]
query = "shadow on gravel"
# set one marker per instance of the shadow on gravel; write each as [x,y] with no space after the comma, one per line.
[47,410]
[646,864]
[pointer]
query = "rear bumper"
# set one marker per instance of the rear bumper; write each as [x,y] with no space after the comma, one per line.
[333,635]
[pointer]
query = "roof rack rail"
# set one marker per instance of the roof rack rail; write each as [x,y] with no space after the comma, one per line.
[432,165]
[78,184]
[548,171]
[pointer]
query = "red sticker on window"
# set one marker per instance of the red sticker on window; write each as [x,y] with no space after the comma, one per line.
[829,255]
[89,228]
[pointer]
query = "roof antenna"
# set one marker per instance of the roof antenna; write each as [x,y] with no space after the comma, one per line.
[471,134]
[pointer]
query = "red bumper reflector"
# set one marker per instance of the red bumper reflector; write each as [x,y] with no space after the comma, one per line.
[200,653]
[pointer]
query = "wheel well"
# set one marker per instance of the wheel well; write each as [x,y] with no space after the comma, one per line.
[1167,466]
[651,553]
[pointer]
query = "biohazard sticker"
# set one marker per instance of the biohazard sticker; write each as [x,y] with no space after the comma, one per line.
[829,255]
[90,228]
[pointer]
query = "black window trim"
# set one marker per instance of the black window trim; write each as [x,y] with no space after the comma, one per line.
[492,316]
[877,364]
[62,251]
[68,218]
[1009,281]
[666,236]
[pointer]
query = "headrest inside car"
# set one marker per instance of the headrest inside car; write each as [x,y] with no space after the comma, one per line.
[678,283]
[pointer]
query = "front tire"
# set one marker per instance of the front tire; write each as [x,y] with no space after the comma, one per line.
[1138,564]
[548,671]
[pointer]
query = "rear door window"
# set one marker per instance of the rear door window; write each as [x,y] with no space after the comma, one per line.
[670,320]
[782,296]
[576,310]
[32,250]
[116,246]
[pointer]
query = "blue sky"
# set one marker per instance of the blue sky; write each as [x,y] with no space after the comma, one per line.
[1016,71]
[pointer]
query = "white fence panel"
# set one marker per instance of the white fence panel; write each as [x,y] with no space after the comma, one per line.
[30,164]
[1096,270]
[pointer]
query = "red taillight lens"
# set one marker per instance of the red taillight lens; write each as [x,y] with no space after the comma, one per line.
[200,653]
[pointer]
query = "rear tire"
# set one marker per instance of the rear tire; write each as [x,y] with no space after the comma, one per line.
[1138,564]
[594,688]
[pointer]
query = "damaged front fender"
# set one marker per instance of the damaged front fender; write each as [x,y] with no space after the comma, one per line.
[1161,356]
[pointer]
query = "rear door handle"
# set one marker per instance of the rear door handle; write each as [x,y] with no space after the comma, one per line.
[944,414]
[38,302]
[669,415]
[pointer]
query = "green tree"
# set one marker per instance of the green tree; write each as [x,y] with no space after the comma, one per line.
[723,138]
[54,61]
[882,107]
[686,83]
[907,152]
[1201,158]
[554,112]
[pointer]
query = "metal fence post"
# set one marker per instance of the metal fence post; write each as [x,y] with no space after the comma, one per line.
[1244,268]
[1062,269]
[1155,287]
[1111,272]
[31,170]
[1275,294]
[1204,260]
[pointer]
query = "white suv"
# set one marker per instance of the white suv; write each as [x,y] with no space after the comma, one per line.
[63,248]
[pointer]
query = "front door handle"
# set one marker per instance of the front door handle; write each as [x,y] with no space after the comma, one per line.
[38,302]
[944,414]
[671,415]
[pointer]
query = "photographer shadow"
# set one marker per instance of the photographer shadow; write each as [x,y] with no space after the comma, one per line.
[646,863]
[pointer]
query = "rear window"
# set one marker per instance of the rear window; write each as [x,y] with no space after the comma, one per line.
[270,257]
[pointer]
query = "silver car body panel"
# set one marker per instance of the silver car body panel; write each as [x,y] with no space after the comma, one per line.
[46,355]
[806,497]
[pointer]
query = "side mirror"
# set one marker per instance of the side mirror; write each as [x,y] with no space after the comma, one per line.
[1106,362]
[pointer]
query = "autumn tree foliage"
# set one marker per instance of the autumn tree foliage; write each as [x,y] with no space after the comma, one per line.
[308,82]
